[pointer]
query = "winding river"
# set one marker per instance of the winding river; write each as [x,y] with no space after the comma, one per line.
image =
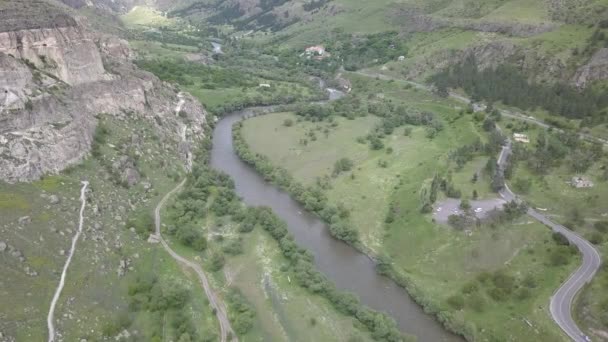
[348,268]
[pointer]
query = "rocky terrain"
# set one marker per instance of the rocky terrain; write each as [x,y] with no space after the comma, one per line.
[56,77]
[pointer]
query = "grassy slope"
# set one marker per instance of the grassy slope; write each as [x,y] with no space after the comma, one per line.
[95,291]
[438,259]
[558,199]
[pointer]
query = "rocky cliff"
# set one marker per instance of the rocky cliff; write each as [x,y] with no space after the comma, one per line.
[595,69]
[55,80]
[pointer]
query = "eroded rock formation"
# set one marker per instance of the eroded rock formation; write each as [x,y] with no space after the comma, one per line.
[55,80]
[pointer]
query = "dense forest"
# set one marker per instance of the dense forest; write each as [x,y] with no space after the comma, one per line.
[508,85]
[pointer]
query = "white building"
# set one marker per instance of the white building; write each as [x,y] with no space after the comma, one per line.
[581,182]
[522,138]
[318,50]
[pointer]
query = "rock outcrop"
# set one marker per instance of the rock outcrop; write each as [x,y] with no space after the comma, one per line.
[54,81]
[595,69]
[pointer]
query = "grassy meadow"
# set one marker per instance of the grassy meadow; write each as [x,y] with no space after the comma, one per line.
[438,261]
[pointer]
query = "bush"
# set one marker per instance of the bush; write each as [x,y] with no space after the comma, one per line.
[465,205]
[342,165]
[456,302]
[189,236]
[234,247]
[142,221]
[288,123]
[476,302]
[559,257]
[601,226]
[522,185]
[560,239]
[216,261]
[596,238]
[457,221]
[241,314]
[470,288]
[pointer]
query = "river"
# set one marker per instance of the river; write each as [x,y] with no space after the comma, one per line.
[348,268]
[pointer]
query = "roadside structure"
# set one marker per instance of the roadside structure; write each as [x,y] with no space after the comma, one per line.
[580,182]
[522,138]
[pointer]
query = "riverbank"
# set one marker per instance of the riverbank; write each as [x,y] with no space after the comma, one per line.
[456,259]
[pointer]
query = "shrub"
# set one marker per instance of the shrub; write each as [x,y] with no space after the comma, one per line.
[216,261]
[601,226]
[476,302]
[456,302]
[560,239]
[342,165]
[596,238]
[559,257]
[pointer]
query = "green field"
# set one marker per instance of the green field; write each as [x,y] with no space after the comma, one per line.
[436,260]
[142,16]
[284,311]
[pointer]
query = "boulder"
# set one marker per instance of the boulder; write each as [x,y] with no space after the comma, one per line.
[24,220]
[54,199]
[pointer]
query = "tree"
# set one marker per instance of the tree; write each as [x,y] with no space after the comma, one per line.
[522,185]
[457,221]
[498,182]
[342,165]
[560,239]
[456,302]
[490,167]
[288,123]
[601,226]
[475,195]
[217,261]
[465,204]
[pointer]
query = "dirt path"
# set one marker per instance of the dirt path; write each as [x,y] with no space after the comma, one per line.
[50,317]
[214,301]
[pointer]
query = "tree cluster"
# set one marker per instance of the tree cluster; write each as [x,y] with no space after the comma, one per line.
[507,84]
[313,198]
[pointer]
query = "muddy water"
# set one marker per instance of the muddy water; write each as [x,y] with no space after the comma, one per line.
[348,268]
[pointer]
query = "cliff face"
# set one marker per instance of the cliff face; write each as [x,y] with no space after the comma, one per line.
[68,53]
[53,84]
[595,69]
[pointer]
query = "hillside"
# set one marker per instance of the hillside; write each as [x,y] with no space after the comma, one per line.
[548,40]
[386,138]
[74,107]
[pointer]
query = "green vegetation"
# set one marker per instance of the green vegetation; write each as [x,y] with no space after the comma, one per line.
[108,259]
[510,87]
[507,267]
[210,194]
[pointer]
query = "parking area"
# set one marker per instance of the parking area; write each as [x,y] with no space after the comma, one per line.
[451,206]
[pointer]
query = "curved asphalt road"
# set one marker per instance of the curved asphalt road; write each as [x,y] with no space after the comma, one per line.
[561,301]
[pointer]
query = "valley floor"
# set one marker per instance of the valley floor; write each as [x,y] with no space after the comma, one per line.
[453,272]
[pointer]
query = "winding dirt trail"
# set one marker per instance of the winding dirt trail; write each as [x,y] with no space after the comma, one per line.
[226,332]
[50,317]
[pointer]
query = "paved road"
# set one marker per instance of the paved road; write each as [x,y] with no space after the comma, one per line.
[464,99]
[562,299]
[50,318]
[226,332]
